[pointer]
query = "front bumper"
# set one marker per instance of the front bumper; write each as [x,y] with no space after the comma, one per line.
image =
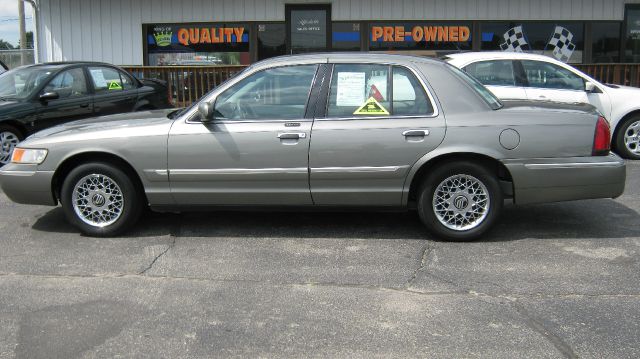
[564,179]
[26,184]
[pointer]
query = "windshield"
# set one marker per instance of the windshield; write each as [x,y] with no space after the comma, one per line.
[20,83]
[486,95]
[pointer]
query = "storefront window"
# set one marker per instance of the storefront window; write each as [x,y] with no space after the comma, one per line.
[605,45]
[345,36]
[632,45]
[563,41]
[198,44]
[271,40]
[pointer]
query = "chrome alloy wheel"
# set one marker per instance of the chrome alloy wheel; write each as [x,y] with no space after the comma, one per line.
[97,200]
[632,137]
[461,202]
[8,141]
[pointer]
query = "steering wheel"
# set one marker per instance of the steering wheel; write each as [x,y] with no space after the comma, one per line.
[243,111]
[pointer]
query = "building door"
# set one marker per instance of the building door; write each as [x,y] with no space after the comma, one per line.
[308,28]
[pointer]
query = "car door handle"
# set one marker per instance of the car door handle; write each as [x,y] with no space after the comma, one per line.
[409,133]
[292,135]
[84,105]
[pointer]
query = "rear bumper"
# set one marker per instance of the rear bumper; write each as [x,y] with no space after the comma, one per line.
[25,184]
[565,179]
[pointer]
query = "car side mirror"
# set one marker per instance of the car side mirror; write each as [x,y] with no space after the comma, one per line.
[47,96]
[205,109]
[590,87]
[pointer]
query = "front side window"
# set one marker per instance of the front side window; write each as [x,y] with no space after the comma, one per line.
[273,94]
[70,83]
[106,79]
[550,76]
[493,73]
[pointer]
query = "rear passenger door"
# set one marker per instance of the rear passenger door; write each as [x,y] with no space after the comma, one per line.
[115,91]
[378,121]
[499,76]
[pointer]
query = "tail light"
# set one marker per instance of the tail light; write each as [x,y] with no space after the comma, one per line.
[602,138]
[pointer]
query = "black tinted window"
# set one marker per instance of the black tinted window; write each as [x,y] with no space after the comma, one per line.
[278,93]
[546,75]
[497,73]
[69,83]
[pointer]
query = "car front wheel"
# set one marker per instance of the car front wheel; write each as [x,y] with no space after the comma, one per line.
[460,201]
[628,138]
[100,199]
[9,138]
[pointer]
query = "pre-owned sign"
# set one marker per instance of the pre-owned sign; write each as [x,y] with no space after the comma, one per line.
[420,33]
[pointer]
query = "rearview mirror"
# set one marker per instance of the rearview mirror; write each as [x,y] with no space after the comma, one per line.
[205,109]
[589,87]
[49,96]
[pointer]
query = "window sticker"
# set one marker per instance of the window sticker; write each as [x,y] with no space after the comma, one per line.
[350,90]
[115,85]
[371,107]
[98,78]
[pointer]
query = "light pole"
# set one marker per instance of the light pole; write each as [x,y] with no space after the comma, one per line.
[23,33]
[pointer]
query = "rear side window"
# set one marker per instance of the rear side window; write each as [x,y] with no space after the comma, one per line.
[496,73]
[364,90]
[106,79]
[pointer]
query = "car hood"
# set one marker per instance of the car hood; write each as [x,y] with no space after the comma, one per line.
[548,106]
[104,127]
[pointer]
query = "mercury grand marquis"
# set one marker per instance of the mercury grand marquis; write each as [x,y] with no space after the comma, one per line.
[324,131]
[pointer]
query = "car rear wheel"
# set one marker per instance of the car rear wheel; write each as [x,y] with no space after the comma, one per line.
[9,139]
[460,201]
[628,138]
[100,199]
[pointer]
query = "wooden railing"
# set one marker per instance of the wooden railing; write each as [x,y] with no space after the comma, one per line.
[619,74]
[187,84]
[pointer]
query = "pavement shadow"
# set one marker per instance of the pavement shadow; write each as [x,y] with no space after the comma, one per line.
[581,219]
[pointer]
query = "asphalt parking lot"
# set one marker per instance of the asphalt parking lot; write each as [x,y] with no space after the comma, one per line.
[554,280]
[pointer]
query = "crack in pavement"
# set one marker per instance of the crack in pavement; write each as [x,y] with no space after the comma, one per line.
[175,232]
[423,263]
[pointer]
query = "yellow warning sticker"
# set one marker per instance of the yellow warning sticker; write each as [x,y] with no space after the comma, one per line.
[114,85]
[371,107]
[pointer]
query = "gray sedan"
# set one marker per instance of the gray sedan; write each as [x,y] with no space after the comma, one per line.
[324,131]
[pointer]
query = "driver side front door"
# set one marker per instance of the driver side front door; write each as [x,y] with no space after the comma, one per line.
[255,150]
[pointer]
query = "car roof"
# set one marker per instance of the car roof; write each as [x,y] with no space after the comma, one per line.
[67,63]
[349,56]
[497,55]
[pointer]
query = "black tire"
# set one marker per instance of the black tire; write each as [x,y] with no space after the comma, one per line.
[8,135]
[621,147]
[467,171]
[129,211]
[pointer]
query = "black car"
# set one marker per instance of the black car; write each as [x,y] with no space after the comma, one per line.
[39,96]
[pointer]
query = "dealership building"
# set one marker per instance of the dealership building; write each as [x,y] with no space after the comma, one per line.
[217,32]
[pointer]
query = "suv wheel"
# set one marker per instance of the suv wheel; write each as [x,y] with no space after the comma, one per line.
[460,201]
[100,199]
[9,138]
[628,138]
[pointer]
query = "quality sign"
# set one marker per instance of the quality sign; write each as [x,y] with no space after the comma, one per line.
[205,35]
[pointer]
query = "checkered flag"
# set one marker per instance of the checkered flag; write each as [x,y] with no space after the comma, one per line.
[514,40]
[562,45]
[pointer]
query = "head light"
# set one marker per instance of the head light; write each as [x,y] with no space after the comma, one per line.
[32,156]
